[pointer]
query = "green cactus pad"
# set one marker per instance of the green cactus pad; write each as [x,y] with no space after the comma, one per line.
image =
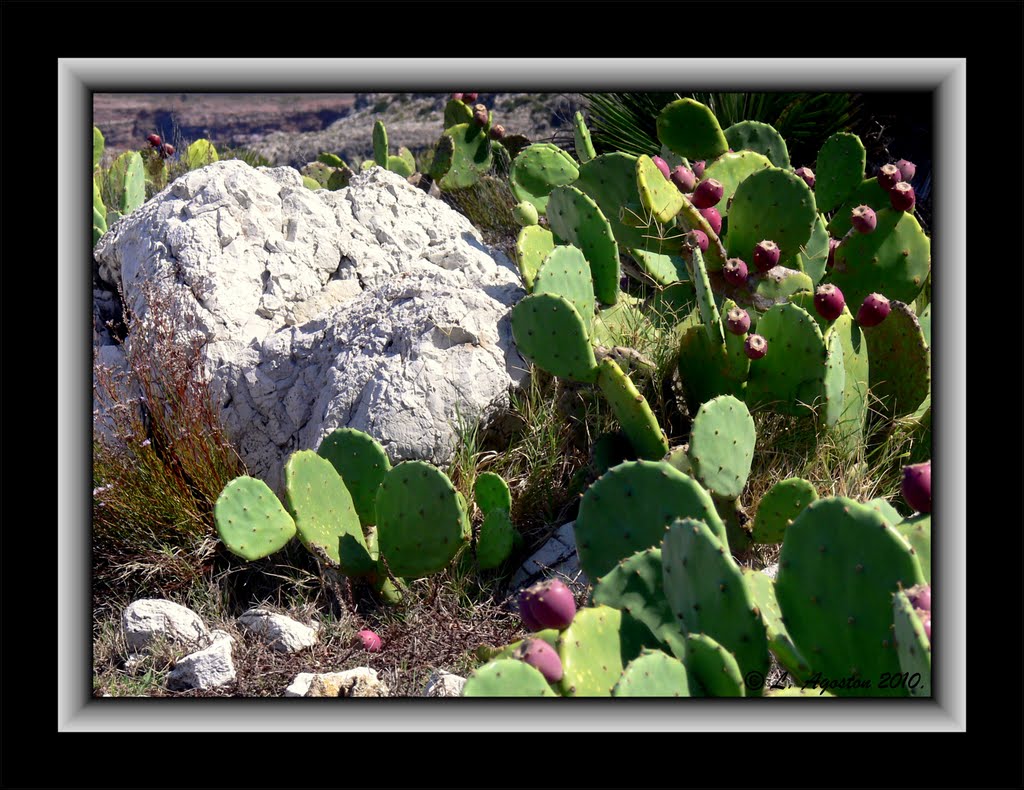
[780,506]
[331,160]
[761,138]
[367,164]
[762,588]
[565,273]
[653,674]
[576,218]
[868,193]
[888,512]
[610,179]
[839,170]
[380,144]
[736,363]
[494,544]
[406,156]
[924,318]
[918,532]
[900,369]
[339,178]
[913,646]
[791,374]
[839,567]
[658,195]
[705,588]
[526,214]
[200,154]
[595,648]
[581,135]
[691,130]
[126,181]
[678,458]
[550,331]
[632,411]
[834,382]
[318,173]
[471,156]
[663,269]
[533,245]
[713,669]
[397,164]
[98,144]
[722,446]
[421,520]
[623,324]
[690,218]
[777,286]
[893,260]
[491,493]
[506,677]
[321,505]
[441,161]
[705,297]
[634,586]
[537,170]
[457,112]
[855,370]
[628,508]
[731,170]
[250,520]
[362,464]
[771,204]
[707,369]
[813,256]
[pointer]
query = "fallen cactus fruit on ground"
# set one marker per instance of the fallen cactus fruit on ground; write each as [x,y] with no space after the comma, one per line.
[370,641]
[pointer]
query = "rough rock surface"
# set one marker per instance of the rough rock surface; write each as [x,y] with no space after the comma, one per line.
[557,558]
[279,631]
[444,684]
[358,682]
[207,668]
[375,307]
[149,620]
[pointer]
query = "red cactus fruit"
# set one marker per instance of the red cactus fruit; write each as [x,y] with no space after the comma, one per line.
[755,347]
[807,175]
[920,597]
[168,149]
[832,244]
[873,310]
[154,140]
[526,597]
[917,486]
[863,219]
[902,197]
[737,321]
[698,168]
[713,217]
[829,302]
[888,176]
[698,237]
[766,255]
[371,642]
[684,179]
[497,131]
[735,271]
[469,97]
[662,165]
[550,603]
[707,193]
[907,169]
[542,657]
[458,96]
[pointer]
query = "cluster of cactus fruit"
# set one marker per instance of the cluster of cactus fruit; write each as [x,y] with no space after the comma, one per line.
[373,522]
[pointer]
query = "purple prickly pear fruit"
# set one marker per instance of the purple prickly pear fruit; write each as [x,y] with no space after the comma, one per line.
[873,310]
[497,131]
[526,598]
[457,96]
[863,219]
[480,115]
[707,193]
[154,140]
[920,597]
[907,169]
[901,197]
[684,179]
[468,97]
[926,621]
[737,321]
[698,168]
[829,302]
[888,176]
[699,238]
[807,175]
[766,255]
[735,272]
[551,604]
[832,244]
[755,347]
[542,657]
[917,486]
[713,217]
[371,642]
[168,150]
[662,165]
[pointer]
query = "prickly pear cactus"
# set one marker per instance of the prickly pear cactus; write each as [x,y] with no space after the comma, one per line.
[771,204]
[494,543]
[362,464]
[713,669]
[507,677]
[491,492]
[632,410]
[918,532]
[731,170]
[653,674]
[576,218]
[691,130]
[839,170]
[250,520]
[657,194]
[537,170]
[549,331]
[596,648]
[913,646]
[634,586]
[722,446]
[471,156]
[900,368]
[780,506]
[566,273]
[758,137]
[790,376]
[200,154]
[581,136]
[779,641]
[533,245]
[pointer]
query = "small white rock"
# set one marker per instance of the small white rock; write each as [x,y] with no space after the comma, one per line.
[149,619]
[207,668]
[280,632]
[358,682]
[444,684]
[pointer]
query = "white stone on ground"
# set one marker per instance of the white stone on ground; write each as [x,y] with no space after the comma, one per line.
[149,620]
[444,684]
[280,632]
[207,668]
[358,682]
